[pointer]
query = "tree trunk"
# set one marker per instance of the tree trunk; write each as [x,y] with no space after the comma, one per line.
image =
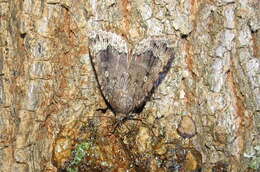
[204,115]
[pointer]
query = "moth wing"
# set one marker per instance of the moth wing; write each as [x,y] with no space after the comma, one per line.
[110,63]
[125,84]
[150,62]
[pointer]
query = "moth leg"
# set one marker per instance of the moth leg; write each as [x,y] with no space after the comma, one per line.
[103,110]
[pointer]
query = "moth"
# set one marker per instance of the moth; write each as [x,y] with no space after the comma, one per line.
[128,74]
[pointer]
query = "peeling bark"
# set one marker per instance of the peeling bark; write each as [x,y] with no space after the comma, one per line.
[51,107]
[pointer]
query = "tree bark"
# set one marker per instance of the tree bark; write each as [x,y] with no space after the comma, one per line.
[205,115]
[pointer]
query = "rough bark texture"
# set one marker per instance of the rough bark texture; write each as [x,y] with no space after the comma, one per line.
[204,116]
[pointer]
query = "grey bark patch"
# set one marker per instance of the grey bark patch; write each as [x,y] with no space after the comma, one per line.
[127,76]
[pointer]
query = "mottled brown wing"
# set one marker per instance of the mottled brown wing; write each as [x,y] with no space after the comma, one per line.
[112,75]
[110,61]
[148,67]
[126,81]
